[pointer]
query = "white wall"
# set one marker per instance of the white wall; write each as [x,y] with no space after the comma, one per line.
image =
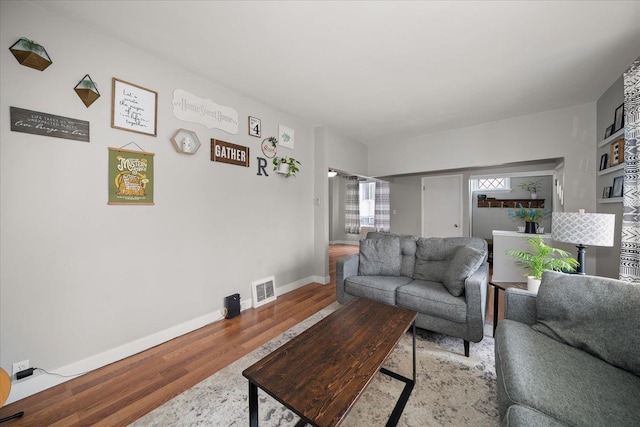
[83,283]
[567,133]
[333,150]
[608,261]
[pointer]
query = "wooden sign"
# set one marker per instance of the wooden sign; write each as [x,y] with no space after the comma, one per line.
[226,152]
[134,108]
[44,124]
[617,152]
[190,108]
[130,177]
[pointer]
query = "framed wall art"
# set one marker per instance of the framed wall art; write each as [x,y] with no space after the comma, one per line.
[286,137]
[134,108]
[608,132]
[130,177]
[618,122]
[618,184]
[606,193]
[604,161]
[255,127]
[616,154]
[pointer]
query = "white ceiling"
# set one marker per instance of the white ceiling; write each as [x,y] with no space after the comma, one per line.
[382,71]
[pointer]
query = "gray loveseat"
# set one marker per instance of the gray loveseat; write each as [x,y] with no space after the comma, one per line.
[443,279]
[570,355]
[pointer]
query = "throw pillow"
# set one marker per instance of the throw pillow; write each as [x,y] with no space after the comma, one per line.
[380,257]
[463,264]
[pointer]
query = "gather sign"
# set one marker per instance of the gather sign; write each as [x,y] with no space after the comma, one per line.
[227,152]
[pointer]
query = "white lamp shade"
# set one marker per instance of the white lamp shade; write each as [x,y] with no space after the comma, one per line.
[588,229]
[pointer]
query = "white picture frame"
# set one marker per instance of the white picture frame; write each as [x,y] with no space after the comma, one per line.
[134,108]
[286,137]
[255,127]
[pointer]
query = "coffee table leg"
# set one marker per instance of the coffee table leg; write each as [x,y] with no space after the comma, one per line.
[413,329]
[253,405]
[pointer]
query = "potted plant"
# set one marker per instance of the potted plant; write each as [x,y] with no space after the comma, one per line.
[530,216]
[541,258]
[288,166]
[532,187]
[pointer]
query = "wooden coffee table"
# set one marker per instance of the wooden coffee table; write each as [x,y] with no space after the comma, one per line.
[320,374]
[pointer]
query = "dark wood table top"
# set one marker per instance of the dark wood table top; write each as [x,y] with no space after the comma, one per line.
[507,285]
[321,373]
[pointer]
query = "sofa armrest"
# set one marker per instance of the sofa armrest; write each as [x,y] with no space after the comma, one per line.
[345,267]
[520,305]
[475,291]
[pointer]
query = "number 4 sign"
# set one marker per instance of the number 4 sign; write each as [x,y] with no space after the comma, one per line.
[255,128]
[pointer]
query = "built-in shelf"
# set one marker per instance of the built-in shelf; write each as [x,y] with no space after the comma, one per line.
[511,203]
[611,200]
[615,136]
[611,169]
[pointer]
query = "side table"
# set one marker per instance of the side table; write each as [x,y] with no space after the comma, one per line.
[497,287]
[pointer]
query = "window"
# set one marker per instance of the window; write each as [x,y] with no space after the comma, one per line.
[496,183]
[367,203]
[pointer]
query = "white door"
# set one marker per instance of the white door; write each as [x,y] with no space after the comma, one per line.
[442,206]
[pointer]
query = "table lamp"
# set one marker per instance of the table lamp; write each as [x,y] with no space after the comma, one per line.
[583,229]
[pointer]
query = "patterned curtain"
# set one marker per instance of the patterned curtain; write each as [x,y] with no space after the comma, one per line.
[630,241]
[352,208]
[382,209]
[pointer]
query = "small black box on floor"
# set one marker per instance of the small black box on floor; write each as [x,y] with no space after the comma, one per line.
[232,306]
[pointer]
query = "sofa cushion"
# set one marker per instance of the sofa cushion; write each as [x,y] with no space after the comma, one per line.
[377,288]
[595,314]
[380,257]
[407,247]
[434,253]
[568,384]
[464,263]
[432,298]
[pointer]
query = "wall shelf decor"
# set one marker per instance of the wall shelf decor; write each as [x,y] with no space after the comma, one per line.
[255,127]
[134,108]
[611,169]
[616,155]
[31,54]
[611,200]
[286,137]
[226,152]
[130,177]
[45,124]
[87,91]
[185,141]
[269,147]
[511,203]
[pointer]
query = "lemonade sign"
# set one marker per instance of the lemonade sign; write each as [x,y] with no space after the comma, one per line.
[130,177]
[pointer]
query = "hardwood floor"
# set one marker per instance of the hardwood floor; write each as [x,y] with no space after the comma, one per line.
[122,392]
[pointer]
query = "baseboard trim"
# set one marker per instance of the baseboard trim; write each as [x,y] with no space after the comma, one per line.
[345,242]
[39,381]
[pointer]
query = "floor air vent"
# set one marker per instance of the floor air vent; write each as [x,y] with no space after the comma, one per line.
[264,291]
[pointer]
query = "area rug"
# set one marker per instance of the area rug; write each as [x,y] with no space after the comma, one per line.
[451,390]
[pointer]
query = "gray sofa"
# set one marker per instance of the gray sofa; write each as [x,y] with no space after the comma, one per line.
[443,279]
[570,355]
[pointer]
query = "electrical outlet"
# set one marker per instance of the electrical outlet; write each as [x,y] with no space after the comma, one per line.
[20,366]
